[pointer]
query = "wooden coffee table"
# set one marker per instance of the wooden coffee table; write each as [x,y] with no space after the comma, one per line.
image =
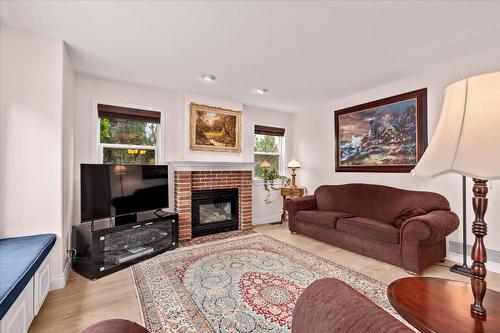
[440,305]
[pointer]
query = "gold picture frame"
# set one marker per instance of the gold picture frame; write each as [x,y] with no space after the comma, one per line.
[214,129]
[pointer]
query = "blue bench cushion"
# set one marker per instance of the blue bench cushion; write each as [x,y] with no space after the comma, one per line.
[20,257]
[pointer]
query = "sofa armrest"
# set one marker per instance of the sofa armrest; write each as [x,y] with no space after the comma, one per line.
[430,227]
[295,205]
[331,306]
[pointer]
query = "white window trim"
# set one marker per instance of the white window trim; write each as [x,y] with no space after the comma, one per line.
[97,146]
[282,153]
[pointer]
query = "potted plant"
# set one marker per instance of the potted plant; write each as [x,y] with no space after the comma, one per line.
[269,175]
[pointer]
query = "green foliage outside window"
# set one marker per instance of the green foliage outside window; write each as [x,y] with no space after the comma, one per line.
[128,132]
[266,143]
[105,125]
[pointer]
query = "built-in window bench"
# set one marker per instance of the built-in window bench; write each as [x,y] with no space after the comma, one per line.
[24,279]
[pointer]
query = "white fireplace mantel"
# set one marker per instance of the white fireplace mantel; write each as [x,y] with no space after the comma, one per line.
[210,166]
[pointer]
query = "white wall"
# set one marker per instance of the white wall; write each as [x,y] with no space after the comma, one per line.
[175,106]
[314,141]
[31,95]
[67,154]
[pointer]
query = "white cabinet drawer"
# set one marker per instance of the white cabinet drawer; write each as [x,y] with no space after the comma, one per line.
[41,282]
[20,314]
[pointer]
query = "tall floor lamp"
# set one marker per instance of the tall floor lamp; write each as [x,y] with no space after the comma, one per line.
[463,269]
[467,142]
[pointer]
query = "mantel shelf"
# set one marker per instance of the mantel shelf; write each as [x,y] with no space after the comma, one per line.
[210,166]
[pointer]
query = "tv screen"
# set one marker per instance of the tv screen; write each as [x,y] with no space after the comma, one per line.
[112,190]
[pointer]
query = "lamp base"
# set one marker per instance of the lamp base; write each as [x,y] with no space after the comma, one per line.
[461,269]
[478,254]
[292,184]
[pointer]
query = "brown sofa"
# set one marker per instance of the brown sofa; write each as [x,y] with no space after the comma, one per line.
[331,306]
[401,227]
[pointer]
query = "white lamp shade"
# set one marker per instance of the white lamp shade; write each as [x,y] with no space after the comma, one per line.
[293,164]
[467,138]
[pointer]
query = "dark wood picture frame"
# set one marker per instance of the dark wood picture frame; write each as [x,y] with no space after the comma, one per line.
[421,131]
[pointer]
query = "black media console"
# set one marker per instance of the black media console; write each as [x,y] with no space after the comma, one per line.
[103,248]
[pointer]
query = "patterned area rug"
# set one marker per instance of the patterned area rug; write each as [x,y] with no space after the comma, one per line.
[248,283]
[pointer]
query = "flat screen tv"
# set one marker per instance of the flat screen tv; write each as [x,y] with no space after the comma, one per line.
[116,190]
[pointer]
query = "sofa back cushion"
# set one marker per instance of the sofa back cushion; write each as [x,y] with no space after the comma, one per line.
[366,228]
[377,202]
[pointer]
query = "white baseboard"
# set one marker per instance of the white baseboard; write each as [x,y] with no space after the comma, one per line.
[490,266]
[60,280]
[266,220]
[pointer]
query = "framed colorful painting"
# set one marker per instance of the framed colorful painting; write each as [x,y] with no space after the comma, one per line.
[214,129]
[387,135]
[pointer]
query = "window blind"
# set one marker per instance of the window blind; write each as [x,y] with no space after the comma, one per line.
[111,111]
[268,130]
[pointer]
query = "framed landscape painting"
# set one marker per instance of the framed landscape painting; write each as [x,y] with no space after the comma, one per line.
[387,135]
[214,129]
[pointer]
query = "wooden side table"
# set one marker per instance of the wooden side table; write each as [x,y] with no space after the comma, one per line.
[287,192]
[435,305]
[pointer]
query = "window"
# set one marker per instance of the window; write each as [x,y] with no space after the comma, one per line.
[128,136]
[268,146]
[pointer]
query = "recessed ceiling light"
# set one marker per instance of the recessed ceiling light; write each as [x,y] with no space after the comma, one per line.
[208,77]
[261,91]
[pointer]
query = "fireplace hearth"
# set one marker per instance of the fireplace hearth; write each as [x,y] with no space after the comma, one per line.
[214,211]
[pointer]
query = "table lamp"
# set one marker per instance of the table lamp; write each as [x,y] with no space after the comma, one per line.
[293,164]
[467,142]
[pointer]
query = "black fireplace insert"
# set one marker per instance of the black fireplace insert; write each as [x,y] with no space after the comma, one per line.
[214,211]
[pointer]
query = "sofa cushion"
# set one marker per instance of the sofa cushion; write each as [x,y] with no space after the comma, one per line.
[20,257]
[322,218]
[381,203]
[366,228]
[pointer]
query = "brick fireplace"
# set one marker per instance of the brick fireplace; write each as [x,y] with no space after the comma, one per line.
[198,176]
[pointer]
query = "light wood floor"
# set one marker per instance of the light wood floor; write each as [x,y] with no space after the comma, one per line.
[83,302]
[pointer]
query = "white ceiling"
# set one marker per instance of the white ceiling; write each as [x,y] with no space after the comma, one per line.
[306,53]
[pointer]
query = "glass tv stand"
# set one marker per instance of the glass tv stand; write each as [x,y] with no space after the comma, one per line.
[101,248]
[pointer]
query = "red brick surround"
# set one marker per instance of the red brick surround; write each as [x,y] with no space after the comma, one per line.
[186,182]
